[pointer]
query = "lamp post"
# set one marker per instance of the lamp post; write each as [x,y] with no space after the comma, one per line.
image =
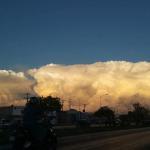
[100,99]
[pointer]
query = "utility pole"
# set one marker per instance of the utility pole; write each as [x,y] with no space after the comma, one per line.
[27,97]
[84,107]
[79,106]
[69,102]
[62,105]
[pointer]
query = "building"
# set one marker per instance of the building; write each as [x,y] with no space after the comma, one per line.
[11,112]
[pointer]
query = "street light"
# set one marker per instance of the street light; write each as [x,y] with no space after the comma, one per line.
[100,99]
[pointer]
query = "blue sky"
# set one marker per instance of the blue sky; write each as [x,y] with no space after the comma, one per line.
[37,32]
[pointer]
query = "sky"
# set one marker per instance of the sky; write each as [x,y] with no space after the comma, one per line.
[75,49]
[38,32]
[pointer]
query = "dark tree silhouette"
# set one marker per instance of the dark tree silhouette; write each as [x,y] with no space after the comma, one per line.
[139,113]
[124,119]
[52,103]
[36,108]
[107,113]
[45,103]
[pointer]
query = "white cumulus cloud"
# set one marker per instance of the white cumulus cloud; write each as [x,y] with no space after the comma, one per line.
[88,83]
[113,83]
[13,87]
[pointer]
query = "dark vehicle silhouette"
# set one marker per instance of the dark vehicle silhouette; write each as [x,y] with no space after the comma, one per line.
[22,139]
[36,131]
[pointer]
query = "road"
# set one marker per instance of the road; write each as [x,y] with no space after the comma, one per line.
[133,139]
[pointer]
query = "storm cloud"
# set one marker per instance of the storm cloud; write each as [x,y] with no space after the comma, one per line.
[111,83]
[108,83]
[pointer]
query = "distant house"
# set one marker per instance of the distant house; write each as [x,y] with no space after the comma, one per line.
[11,112]
[74,115]
[71,116]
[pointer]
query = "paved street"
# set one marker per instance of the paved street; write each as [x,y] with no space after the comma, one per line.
[133,139]
[138,139]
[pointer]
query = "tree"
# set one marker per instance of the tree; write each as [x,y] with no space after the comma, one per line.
[124,119]
[139,113]
[48,103]
[107,113]
[52,103]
